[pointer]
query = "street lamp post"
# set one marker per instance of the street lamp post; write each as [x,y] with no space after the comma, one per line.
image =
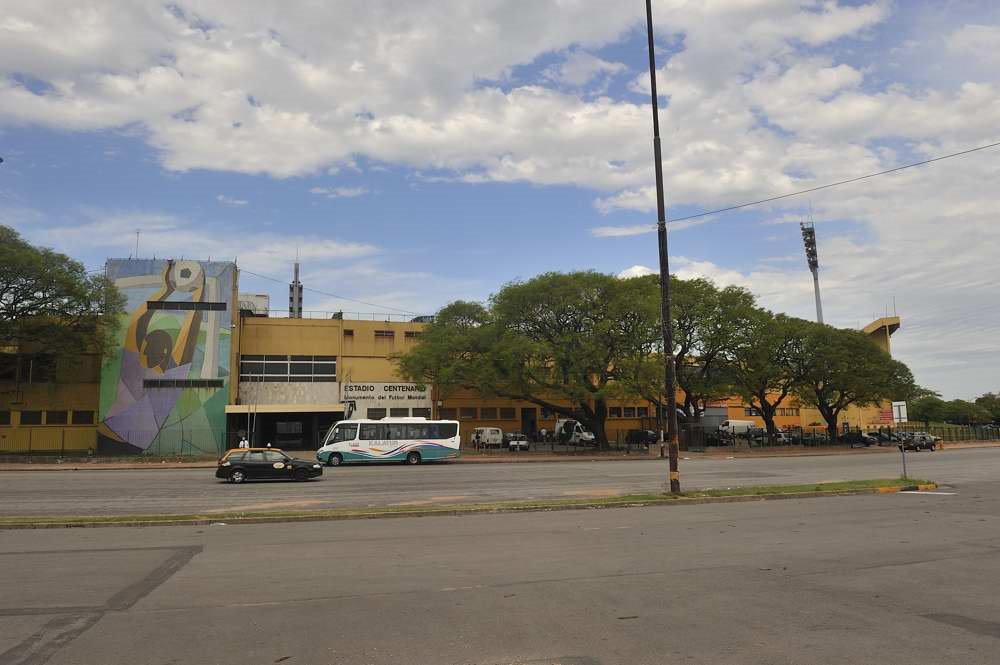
[661,236]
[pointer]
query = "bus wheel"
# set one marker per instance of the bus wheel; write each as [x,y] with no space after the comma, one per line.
[335,460]
[413,457]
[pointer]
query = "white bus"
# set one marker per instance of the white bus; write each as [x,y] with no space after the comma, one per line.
[409,440]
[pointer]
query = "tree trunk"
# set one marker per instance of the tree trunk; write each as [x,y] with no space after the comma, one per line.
[767,413]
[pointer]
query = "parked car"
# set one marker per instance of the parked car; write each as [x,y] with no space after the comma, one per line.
[242,464]
[920,441]
[641,437]
[859,439]
[516,441]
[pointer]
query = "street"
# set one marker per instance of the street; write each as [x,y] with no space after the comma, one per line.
[188,491]
[905,578]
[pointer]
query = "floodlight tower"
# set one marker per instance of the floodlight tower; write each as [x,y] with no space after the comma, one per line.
[809,239]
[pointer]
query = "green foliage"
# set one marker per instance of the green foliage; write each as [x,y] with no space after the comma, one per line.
[49,304]
[846,367]
[991,403]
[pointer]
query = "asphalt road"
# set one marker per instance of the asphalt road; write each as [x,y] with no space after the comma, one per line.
[905,578]
[187,491]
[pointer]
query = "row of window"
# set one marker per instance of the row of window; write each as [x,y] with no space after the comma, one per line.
[186,305]
[182,383]
[387,334]
[628,412]
[397,412]
[34,369]
[394,431]
[510,413]
[284,368]
[50,417]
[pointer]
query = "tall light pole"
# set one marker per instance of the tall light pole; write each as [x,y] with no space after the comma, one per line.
[661,236]
[812,258]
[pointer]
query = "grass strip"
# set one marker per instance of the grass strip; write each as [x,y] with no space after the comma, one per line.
[697,496]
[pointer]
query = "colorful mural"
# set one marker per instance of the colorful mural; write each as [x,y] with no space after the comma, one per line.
[165,385]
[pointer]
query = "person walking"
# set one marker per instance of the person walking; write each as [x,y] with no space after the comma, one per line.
[243,442]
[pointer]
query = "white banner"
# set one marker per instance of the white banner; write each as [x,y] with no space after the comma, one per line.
[387,395]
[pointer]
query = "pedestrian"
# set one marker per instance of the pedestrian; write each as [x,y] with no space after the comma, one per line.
[243,442]
[475,440]
[542,433]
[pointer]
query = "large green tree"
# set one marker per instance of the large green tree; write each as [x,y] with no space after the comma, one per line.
[845,367]
[990,402]
[50,306]
[557,340]
[766,362]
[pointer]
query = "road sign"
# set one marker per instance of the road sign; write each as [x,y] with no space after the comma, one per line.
[899,412]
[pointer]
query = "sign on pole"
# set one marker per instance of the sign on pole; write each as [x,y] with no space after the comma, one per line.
[899,412]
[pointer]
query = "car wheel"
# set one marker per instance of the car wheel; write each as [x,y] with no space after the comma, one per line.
[300,475]
[413,457]
[900,448]
[237,476]
[335,459]
[931,448]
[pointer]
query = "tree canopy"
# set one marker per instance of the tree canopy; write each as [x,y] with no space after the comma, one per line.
[49,304]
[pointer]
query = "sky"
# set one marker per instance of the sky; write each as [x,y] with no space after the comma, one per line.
[416,153]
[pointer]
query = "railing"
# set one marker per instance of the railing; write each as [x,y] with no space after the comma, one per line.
[348,316]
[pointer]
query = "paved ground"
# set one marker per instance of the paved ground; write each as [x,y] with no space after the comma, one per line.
[186,491]
[906,578]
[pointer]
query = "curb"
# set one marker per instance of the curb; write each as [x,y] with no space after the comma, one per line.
[455,512]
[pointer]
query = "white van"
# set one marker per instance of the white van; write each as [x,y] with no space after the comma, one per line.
[570,431]
[487,437]
[737,426]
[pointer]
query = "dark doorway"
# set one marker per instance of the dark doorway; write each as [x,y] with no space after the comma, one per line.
[529,421]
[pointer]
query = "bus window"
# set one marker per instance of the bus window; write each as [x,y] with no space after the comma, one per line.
[443,430]
[420,431]
[345,433]
[396,431]
[371,432]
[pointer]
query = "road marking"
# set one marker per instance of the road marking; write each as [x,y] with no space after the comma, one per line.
[923,492]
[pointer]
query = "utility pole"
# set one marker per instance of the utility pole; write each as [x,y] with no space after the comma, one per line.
[661,236]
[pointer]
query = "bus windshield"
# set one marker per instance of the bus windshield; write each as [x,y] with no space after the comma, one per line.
[344,432]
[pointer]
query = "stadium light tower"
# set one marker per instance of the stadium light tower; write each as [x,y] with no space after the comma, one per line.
[812,258]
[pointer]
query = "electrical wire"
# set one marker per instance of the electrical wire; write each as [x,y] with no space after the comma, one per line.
[331,295]
[832,184]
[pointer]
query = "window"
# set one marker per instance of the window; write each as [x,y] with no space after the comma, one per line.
[443,430]
[345,433]
[83,417]
[182,383]
[507,413]
[547,413]
[642,411]
[4,417]
[488,413]
[628,412]
[750,411]
[56,417]
[186,305]
[614,412]
[235,457]
[447,413]
[385,334]
[399,412]
[255,456]
[34,369]
[370,431]
[421,413]
[395,431]
[376,414]
[348,332]
[31,417]
[281,369]
[275,456]
[419,431]
[8,367]
[467,413]
[411,334]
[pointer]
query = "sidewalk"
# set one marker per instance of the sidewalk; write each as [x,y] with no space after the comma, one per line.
[474,457]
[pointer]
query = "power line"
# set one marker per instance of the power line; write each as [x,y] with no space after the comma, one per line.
[331,295]
[833,184]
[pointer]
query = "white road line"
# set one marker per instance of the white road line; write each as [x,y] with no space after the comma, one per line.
[933,493]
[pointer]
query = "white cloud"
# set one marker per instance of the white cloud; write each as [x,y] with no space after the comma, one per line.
[230,201]
[636,271]
[580,68]
[339,192]
[979,41]
[622,231]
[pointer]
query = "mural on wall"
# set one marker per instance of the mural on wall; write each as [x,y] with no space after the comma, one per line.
[165,385]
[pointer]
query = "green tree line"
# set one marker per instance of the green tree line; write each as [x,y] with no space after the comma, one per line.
[572,342]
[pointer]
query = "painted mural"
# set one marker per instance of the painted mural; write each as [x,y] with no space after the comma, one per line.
[165,386]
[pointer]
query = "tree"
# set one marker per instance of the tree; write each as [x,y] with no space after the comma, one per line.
[962,412]
[845,367]
[990,402]
[766,362]
[557,340]
[927,408]
[48,304]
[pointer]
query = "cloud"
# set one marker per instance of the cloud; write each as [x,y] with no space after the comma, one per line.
[636,271]
[339,192]
[580,68]
[230,201]
[622,231]
[979,41]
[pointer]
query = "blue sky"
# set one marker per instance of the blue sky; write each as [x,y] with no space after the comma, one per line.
[435,152]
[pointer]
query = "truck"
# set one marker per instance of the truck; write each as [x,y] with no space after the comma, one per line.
[571,432]
[733,427]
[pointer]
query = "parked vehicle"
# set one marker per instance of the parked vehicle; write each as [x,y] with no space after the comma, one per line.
[408,440]
[488,437]
[641,437]
[242,464]
[571,432]
[920,441]
[516,441]
[859,439]
[737,426]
